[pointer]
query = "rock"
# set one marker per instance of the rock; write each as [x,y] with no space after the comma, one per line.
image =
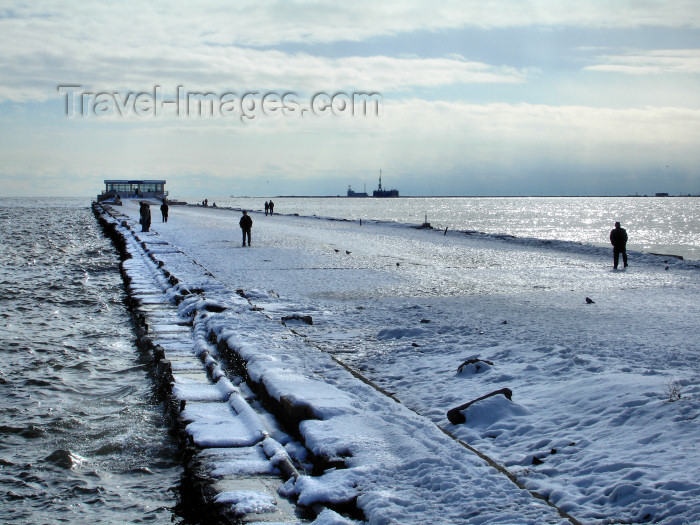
[296,317]
[478,365]
[455,414]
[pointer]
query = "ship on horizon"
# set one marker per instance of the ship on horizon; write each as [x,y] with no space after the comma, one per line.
[352,193]
[380,192]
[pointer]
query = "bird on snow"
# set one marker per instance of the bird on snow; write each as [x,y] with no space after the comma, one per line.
[348,252]
[589,300]
[336,250]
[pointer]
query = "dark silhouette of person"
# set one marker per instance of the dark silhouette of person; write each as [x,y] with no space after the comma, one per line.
[267,208]
[164,211]
[618,238]
[246,223]
[272,207]
[145,214]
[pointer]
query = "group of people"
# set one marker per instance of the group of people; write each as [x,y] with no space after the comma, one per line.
[145,214]
[618,235]
[246,223]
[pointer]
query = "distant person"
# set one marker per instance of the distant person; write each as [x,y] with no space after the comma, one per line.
[145,216]
[164,211]
[246,223]
[267,208]
[618,238]
[271,205]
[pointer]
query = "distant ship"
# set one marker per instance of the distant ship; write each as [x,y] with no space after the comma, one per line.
[356,193]
[382,192]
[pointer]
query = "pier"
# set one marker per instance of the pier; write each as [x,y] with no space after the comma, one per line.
[275,426]
[240,404]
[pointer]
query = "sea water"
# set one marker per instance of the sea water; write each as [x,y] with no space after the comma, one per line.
[668,225]
[82,436]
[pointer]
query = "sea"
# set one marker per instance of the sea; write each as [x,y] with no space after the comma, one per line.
[83,436]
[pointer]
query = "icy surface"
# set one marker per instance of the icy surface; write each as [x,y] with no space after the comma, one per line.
[247,501]
[603,419]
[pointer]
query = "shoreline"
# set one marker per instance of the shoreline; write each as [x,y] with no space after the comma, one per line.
[463,197]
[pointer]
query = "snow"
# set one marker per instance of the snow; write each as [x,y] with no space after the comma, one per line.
[592,402]
[247,501]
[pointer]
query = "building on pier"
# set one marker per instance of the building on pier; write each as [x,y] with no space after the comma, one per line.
[133,189]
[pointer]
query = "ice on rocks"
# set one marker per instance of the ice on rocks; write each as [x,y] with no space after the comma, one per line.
[247,501]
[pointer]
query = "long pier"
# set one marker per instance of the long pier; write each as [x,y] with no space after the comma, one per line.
[272,429]
[234,457]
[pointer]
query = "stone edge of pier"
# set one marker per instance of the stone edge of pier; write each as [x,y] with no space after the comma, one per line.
[199,493]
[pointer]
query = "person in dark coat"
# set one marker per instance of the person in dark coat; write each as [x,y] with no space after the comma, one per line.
[164,211]
[618,238]
[267,208]
[246,223]
[271,205]
[145,214]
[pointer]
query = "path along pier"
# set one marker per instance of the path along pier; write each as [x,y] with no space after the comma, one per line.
[279,422]
[275,430]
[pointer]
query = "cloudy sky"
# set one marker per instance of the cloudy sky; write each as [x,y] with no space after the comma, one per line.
[487,97]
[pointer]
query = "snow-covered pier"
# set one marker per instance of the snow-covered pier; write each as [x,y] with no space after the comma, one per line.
[277,426]
[281,396]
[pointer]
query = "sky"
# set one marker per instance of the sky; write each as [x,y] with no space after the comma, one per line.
[489,97]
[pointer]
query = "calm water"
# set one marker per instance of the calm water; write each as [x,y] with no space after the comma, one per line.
[82,439]
[668,225]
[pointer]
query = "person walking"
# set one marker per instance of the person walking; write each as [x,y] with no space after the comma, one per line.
[271,206]
[145,216]
[246,223]
[618,238]
[164,211]
[267,208]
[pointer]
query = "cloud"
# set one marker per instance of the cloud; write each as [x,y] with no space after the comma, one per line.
[254,23]
[132,44]
[239,69]
[431,123]
[655,62]
[415,138]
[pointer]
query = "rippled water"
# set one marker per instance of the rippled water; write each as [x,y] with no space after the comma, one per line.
[668,225]
[82,438]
